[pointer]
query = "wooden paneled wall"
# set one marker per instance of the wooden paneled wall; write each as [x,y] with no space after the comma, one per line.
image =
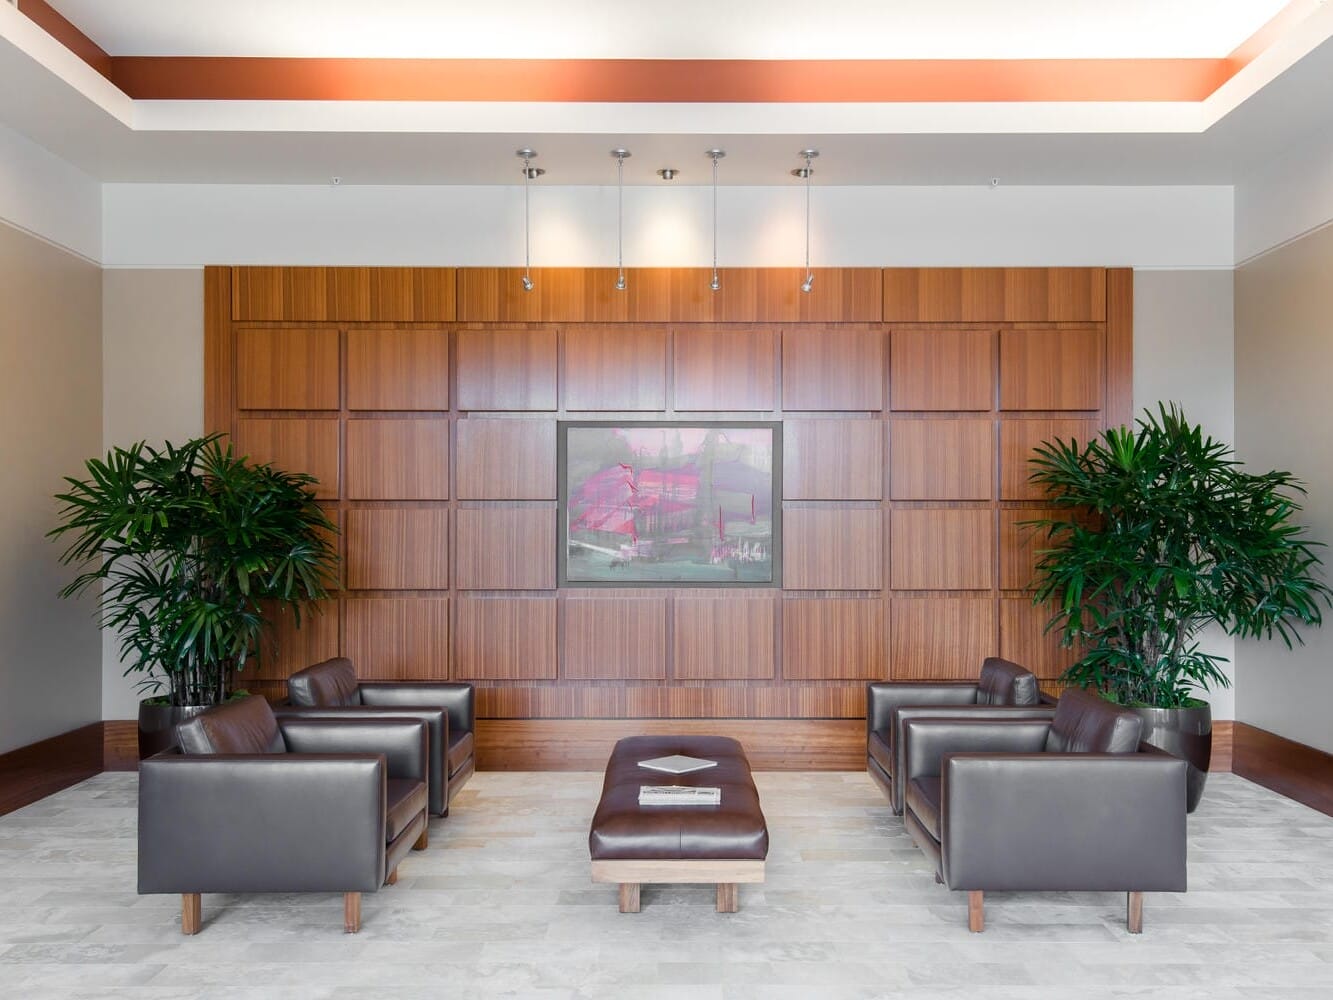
[426,401]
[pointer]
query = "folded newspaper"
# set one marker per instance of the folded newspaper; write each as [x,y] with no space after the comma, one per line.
[678,795]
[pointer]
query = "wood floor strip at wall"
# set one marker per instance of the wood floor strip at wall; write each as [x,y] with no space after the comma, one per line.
[1292,769]
[41,769]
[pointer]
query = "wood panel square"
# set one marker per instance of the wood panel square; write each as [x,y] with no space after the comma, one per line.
[309,446]
[832,369]
[1020,544]
[1019,438]
[398,459]
[942,370]
[723,638]
[940,549]
[832,460]
[724,370]
[615,638]
[506,370]
[397,370]
[942,460]
[940,638]
[834,639]
[502,638]
[287,369]
[285,648]
[832,548]
[505,548]
[401,638]
[611,368]
[1024,640]
[1052,369]
[402,548]
[505,459]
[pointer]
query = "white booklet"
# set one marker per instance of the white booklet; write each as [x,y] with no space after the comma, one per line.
[677,764]
[678,795]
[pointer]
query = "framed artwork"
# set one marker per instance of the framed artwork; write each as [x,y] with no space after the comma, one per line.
[672,504]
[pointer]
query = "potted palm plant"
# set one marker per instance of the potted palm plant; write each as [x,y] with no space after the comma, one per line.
[183,544]
[1164,533]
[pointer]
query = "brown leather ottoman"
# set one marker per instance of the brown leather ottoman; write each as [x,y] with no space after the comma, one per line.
[632,844]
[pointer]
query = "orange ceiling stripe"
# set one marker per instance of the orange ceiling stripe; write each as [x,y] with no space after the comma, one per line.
[668,80]
[1277,26]
[54,24]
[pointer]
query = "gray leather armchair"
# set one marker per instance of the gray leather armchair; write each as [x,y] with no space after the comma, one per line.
[250,803]
[330,690]
[1004,690]
[1073,803]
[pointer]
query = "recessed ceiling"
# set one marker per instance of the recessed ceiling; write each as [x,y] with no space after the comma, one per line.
[681,29]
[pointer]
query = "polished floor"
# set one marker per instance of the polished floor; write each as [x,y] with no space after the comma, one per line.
[501,905]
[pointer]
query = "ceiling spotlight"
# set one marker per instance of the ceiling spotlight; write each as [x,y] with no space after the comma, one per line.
[715,155]
[668,173]
[620,155]
[805,173]
[530,173]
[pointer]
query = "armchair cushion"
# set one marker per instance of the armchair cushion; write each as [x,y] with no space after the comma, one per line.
[1004,682]
[923,798]
[405,800]
[1084,723]
[239,727]
[460,749]
[331,683]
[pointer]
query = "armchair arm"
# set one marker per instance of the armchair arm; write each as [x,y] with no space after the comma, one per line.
[261,823]
[882,697]
[1095,822]
[403,742]
[459,700]
[926,741]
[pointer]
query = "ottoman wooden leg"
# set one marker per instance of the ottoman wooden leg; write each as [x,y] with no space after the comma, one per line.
[1134,912]
[629,897]
[351,912]
[976,911]
[728,897]
[191,912]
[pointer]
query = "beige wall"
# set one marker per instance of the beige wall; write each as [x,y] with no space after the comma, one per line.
[153,358]
[51,411]
[1284,398]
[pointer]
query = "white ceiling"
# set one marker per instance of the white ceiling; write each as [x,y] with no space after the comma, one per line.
[678,29]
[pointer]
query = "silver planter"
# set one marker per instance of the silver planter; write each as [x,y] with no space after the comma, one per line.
[1186,733]
[157,726]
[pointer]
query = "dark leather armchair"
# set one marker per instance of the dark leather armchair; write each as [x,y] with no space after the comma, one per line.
[330,690]
[1004,690]
[1073,803]
[251,803]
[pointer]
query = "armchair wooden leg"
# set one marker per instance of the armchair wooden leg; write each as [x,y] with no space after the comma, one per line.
[351,912]
[393,877]
[192,914]
[728,897]
[629,897]
[1134,912]
[976,913]
[424,840]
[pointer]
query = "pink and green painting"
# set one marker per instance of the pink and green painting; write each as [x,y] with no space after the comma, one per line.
[671,504]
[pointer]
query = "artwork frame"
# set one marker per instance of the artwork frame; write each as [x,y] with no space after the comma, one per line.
[741,555]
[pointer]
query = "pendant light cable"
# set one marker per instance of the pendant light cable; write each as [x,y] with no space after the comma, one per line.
[715,155]
[530,173]
[621,156]
[805,173]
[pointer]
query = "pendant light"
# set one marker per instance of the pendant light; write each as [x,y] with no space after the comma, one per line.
[621,155]
[805,173]
[715,155]
[530,174]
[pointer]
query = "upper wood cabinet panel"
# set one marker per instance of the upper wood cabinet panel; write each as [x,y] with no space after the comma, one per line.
[287,369]
[343,294]
[615,369]
[832,369]
[723,638]
[1020,543]
[994,294]
[1052,369]
[615,638]
[400,638]
[309,446]
[1018,439]
[506,369]
[398,459]
[832,548]
[1024,639]
[505,548]
[942,549]
[942,370]
[505,459]
[285,648]
[397,370]
[399,548]
[832,460]
[940,638]
[506,638]
[834,639]
[724,370]
[942,459]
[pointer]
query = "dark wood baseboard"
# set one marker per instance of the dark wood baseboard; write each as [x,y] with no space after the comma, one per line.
[1224,734]
[120,745]
[1292,769]
[41,769]
[585,744]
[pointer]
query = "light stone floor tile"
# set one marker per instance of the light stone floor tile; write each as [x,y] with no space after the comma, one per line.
[501,906]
